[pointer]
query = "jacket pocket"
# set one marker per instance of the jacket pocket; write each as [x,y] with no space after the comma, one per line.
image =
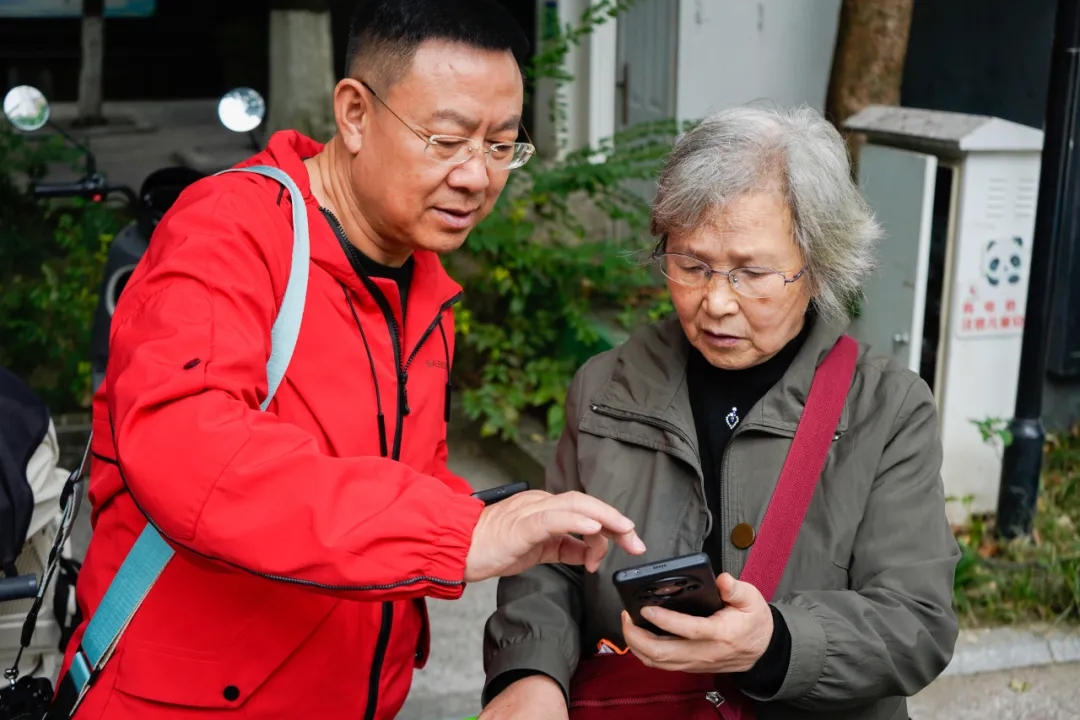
[227,675]
[173,676]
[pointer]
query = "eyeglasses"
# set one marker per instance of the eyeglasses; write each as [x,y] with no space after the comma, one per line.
[454,150]
[752,282]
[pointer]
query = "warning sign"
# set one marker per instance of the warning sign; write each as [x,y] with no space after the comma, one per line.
[990,316]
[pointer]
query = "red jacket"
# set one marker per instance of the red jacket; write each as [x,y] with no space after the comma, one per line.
[303,557]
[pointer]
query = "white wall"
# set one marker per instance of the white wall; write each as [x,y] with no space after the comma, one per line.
[730,52]
[737,51]
[590,98]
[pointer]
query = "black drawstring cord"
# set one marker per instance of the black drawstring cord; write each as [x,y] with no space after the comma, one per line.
[446,354]
[374,377]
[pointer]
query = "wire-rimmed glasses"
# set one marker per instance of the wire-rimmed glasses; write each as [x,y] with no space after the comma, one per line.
[752,282]
[454,150]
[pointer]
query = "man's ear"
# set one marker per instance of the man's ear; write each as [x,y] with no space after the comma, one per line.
[352,103]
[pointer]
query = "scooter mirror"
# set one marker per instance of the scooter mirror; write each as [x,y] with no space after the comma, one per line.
[26,108]
[241,110]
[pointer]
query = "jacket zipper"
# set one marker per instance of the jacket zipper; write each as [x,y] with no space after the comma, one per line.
[395,334]
[646,419]
[713,697]
[432,328]
[399,423]
[381,644]
[727,561]
[392,326]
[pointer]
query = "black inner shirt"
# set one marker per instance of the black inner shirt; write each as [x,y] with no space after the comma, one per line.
[720,400]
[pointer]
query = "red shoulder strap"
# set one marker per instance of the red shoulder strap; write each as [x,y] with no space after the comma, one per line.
[802,468]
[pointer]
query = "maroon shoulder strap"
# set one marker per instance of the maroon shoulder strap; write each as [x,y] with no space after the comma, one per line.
[802,468]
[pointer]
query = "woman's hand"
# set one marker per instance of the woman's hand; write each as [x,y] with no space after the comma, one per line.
[536,696]
[730,641]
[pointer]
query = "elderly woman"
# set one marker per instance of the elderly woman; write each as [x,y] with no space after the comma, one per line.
[763,239]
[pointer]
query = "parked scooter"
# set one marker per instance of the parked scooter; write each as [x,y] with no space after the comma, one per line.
[240,110]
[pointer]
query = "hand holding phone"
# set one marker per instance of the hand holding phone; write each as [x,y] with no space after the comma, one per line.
[684,584]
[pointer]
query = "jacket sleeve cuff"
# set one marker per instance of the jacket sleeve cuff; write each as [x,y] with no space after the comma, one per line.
[537,658]
[451,548]
[808,645]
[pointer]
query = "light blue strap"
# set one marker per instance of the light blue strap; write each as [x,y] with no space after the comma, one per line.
[286,327]
[150,553]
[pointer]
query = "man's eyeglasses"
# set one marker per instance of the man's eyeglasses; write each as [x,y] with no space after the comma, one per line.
[454,150]
[752,282]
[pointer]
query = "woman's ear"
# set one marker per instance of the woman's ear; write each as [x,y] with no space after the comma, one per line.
[352,104]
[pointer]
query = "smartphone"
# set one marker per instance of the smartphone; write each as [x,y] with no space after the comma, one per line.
[684,584]
[495,494]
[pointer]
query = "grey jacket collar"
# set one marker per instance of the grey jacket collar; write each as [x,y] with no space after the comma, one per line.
[647,387]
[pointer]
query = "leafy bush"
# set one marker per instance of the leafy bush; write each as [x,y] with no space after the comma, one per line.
[1027,579]
[537,269]
[51,259]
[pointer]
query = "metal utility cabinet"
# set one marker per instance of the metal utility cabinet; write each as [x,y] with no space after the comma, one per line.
[955,194]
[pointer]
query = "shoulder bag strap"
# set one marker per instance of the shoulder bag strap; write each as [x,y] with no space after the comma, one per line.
[802,468]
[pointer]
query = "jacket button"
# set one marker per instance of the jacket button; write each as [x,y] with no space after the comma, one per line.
[742,536]
[232,693]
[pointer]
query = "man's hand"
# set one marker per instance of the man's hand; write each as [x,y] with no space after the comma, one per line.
[730,641]
[536,527]
[536,696]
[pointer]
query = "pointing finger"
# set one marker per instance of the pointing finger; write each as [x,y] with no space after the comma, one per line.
[614,521]
[540,526]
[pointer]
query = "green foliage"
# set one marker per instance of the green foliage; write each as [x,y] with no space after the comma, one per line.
[51,260]
[532,274]
[564,240]
[1027,579]
[994,431]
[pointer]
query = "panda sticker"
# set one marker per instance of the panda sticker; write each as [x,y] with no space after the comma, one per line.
[992,304]
[1003,262]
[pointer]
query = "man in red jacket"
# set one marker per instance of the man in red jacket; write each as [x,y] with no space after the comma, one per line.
[308,536]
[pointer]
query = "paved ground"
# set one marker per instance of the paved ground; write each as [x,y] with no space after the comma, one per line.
[1042,693]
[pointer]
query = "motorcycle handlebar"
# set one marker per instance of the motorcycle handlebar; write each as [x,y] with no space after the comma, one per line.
[82,188]
[19,587]
[69,189]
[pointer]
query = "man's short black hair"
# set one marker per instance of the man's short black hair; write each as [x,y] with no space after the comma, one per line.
[385,34]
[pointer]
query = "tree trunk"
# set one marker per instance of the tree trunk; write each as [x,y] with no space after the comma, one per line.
[91,95]
[301,69]
[868,63]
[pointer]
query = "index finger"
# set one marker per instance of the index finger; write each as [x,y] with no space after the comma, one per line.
[611,519]
[630,542]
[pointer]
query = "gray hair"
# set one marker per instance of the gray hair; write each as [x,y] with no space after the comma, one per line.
[747,149]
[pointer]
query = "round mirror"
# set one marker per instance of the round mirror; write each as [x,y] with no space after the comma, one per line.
[26,108]
[241,110]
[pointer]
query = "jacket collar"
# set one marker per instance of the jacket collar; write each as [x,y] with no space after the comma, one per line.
[649,381]
[431,288]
